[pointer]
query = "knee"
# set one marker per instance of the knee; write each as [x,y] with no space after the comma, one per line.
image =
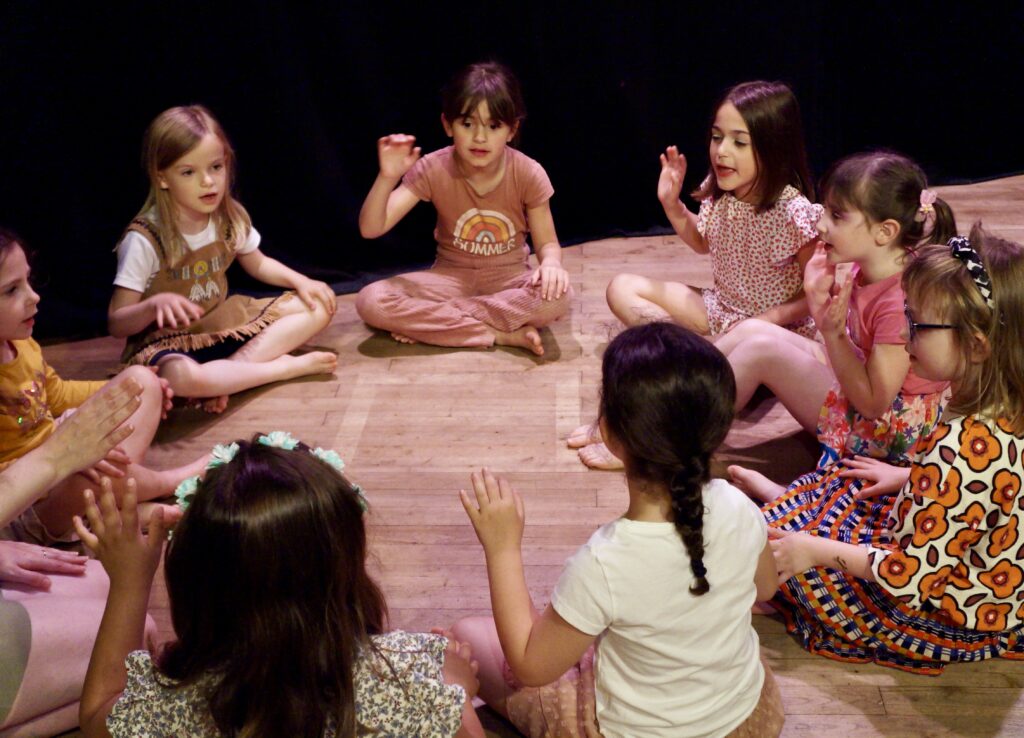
[368,302]
[475,630]
[624,287]
[146,377]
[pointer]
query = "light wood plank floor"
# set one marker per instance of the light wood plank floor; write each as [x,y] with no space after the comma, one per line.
[413,421]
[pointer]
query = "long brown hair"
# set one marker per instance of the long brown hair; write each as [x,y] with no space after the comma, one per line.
[266,575]
[995,386]
[772,115]
[170,136]
[667,397]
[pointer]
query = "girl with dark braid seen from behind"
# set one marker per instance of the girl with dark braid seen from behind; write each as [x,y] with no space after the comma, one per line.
[648,632]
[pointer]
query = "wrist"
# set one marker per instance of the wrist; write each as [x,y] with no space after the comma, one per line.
[673,206]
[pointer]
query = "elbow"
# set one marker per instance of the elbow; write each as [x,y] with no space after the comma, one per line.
[767,590]
[115,328]
[371,230]
[532,676]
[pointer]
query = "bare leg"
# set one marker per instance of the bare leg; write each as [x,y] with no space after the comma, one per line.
[65,499]
[790,369]
[636,300]
[189,378]
[752,327]
[296,325]
[482,637]
[755,484]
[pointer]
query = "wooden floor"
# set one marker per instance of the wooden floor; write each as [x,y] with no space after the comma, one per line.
[411,423]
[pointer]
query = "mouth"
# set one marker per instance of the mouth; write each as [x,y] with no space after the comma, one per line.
[723,171]
[479,152]
[210,197]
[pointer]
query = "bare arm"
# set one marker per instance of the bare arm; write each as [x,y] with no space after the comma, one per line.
[129,314]
[795,553]
[766,578]
[551,274]
[387,204]
[538,648]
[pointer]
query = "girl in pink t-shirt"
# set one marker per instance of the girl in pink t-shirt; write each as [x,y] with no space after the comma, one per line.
[480,290]
[857,391]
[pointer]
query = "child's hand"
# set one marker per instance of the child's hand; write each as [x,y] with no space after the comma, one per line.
[115,539]
[171,310]
[673,170]
[793,552]
[396,154]
[554,280]
[884,478]
[168,393]
[831,320]
[498,516]
[819,276]
[114,464]
[312,291]
[28,564]
[459,666]
[91,432]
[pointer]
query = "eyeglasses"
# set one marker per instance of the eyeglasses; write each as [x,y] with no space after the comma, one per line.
[915,327]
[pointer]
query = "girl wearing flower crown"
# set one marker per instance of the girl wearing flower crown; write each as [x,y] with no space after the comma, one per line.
[280,630]
[933,575]
[858,392]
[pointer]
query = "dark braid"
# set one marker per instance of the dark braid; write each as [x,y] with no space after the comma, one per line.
[667,398]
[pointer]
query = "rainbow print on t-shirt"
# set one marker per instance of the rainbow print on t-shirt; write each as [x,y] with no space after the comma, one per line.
[484,233]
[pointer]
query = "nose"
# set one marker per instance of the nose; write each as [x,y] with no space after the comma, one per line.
[479,133]
[207,180]
[33,296]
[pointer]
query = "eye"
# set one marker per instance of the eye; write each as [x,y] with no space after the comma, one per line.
[716,137]
[836,215]
[742,144]
[218,167]
[186,172]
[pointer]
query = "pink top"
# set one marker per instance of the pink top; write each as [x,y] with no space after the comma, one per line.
[753,255]
[480,230]
[876,317]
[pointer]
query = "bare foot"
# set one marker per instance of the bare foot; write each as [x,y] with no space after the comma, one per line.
[215,405]
[584,436]
[755,484]
[526,337]
[315,362]
[403,339]
[597,456]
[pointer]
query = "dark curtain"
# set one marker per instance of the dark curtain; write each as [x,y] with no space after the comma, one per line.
[305,89]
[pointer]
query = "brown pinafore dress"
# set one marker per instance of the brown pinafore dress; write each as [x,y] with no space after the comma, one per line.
[200,276]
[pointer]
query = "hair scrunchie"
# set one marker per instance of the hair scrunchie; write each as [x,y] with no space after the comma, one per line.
[961,248]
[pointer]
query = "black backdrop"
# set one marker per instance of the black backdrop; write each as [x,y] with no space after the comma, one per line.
[305,89]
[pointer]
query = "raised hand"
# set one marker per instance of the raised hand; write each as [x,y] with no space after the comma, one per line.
[819,277]
[92,433]
[28,564]
[396,154]
[496,511]
[171,310]
[115,538]
[831,319]
[673,170]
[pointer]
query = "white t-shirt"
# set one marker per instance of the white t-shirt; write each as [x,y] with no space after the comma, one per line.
[670,663]
[138,263]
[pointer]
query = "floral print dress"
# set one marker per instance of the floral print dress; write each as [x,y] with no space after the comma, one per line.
[400,693]
[946,553]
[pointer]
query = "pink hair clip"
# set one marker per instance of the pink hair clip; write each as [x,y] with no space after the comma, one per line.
[928,198]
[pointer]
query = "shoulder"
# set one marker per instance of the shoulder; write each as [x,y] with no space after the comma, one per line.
[796,208]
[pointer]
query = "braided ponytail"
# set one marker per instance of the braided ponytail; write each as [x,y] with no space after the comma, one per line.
[667,397]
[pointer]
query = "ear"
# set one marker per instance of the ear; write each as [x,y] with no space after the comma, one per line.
[980,349]
[162,182]
[886,232]
[447,126]
[515,131]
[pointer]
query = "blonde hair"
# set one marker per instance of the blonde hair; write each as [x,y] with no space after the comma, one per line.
[170,136]
[993,387]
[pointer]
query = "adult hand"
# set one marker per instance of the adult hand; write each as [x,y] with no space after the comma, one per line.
[92,433]
[670,182]
[498,515]
[553,278]
[396,154]
[171,310]
[114,464]
[28,564]
[880,478]
[312,291]
[115,538]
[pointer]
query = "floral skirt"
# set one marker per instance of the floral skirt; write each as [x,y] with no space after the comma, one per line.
[841,617]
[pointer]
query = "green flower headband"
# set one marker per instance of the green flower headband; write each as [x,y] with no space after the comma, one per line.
[222,454]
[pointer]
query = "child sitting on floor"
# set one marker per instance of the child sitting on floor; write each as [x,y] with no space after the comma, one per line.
[280,630]
[933,575]
[755,221]
[488,196]
[665,591]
